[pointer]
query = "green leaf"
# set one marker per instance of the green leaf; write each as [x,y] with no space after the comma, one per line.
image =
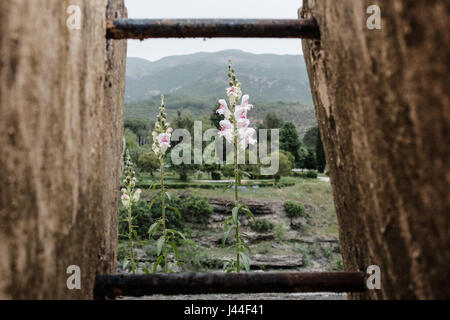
[225,235]
[245,261]
[172,231]
[153,228]
[157,262]
[227,221]
[246,173]
[175,209]
[145,268]
[159,245]
[228,186]
[226,264]
[125,264]
[175,249]
[247,210]
[152,202]
[234,213]
[168,196]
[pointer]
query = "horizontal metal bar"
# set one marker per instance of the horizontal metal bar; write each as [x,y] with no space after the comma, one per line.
[212,28]
[113,285]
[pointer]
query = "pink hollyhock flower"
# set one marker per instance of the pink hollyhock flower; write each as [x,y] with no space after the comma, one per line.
[226,130]
[125,200]
[241,110]
[242,123]
[240,113]
[223,109]
[164,141]
[233,91]
[246,137]
[245,103]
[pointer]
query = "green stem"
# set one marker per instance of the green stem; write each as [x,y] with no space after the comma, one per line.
[163,206]
[130,239]
[236,195]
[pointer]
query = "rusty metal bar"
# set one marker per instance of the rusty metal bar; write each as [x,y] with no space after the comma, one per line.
[212,28]
[114,285]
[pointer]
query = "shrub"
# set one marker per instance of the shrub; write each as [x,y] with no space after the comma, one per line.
[339,265]
[173,220]
[142,220]
[285,166]
[306,258]
[262,225]
[327,253]
[287,182]
[193,257]
[265,248]
[312,174]
[122,251]
[215,175]
[144,217]
[196,209]
[148,162]
[228,170]
[280,231]
[294,209]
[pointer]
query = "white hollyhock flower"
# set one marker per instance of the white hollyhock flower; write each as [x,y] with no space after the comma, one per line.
[240,113]
[234,93]
[125,200]
[155,148]
[236,115]
[137,195]
[246,137]
[245,103]
[223,109]
[226,130]
[164,141]
[242,123]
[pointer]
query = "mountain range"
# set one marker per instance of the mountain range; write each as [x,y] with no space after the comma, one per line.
[193,83]
[267,78]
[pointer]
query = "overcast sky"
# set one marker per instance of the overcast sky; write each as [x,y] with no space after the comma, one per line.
[154,49]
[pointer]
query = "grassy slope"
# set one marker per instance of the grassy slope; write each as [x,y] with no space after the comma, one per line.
[322,222]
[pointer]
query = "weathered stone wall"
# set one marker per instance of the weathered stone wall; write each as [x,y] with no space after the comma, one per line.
[382,102]
[61,105]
